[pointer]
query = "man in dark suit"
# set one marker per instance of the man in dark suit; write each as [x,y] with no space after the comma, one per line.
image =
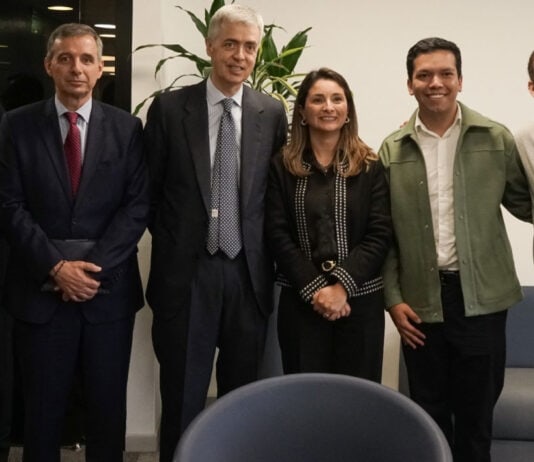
[204,295]
[73,213]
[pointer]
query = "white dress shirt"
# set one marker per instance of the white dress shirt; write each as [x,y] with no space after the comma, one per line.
[84,114]
[439,153]
[215,111]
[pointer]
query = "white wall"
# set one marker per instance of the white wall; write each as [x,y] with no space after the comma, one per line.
[367,42]
[143,387]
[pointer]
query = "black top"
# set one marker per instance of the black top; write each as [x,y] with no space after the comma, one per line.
[319,209]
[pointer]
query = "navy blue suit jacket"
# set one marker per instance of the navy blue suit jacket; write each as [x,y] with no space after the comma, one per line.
[37,205]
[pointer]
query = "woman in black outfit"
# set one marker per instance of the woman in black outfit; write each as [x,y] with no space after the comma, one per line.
[328,226]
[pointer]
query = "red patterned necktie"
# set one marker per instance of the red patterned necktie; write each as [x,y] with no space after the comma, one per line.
[73,151]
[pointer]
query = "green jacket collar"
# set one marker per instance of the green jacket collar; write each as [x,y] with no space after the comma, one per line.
[470,119]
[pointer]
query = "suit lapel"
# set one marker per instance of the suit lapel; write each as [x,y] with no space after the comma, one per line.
[94,146]
[251,134]
[197,133]
[51,134]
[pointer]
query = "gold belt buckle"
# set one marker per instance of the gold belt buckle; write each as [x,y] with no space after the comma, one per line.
[328,265]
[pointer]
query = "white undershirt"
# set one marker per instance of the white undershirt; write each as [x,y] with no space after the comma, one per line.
[439,153]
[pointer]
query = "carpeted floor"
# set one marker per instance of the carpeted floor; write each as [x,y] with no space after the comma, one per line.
[69,455]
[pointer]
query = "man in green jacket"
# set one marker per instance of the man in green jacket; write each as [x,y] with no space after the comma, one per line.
[450,277]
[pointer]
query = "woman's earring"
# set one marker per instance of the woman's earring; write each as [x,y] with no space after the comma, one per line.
[303,122]
[347,121]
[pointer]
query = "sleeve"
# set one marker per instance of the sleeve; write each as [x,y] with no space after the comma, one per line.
[129,220]
[280,230]
[22,232]
[390,269]
[156,156]
[366,258]
[516,198]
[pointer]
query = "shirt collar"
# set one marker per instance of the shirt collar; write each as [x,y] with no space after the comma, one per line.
[215,96]
[420,126]
[83,111]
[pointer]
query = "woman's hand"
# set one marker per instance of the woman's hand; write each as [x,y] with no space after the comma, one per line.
[331,302]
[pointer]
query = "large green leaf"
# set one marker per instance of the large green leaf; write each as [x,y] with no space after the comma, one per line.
[201,27]
[268,51]
[200,63]
[215,5]
[169,46]
[298,42]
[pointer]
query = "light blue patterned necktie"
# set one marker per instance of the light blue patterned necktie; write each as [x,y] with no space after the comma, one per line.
[225,225]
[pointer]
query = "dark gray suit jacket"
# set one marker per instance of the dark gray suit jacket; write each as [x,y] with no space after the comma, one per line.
[177,144]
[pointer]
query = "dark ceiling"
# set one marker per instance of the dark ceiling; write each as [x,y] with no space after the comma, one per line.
[26,24]
[21,17]
[91,11]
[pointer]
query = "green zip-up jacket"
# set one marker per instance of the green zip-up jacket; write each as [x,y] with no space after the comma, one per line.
[487,173]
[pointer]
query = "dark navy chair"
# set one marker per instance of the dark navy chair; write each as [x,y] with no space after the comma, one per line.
[313,418]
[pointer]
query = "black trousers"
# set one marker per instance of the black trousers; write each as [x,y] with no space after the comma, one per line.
[352,345]
[222,313]
[458,375]
[49,356]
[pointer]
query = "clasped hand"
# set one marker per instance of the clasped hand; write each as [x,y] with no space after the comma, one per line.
[331,302]
[75,282]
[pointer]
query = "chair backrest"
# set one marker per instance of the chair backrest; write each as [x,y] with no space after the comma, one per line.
[520,332]
[312,418]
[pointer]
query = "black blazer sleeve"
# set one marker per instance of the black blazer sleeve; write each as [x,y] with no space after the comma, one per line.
[369,227]
[281,230]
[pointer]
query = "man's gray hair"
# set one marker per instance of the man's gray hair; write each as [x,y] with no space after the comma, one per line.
[234,13]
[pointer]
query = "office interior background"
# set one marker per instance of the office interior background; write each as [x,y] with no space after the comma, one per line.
[365,41]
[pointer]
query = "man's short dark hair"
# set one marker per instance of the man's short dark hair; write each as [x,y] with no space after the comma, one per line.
[72,29]
[428,45]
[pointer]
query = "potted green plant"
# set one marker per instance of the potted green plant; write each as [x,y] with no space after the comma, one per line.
[273,73]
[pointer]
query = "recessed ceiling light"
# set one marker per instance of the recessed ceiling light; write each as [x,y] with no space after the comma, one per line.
[106,26]
[60,8]
[107,35]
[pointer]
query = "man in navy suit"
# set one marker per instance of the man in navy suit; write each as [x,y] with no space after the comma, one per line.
[73,284]
[203,297]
